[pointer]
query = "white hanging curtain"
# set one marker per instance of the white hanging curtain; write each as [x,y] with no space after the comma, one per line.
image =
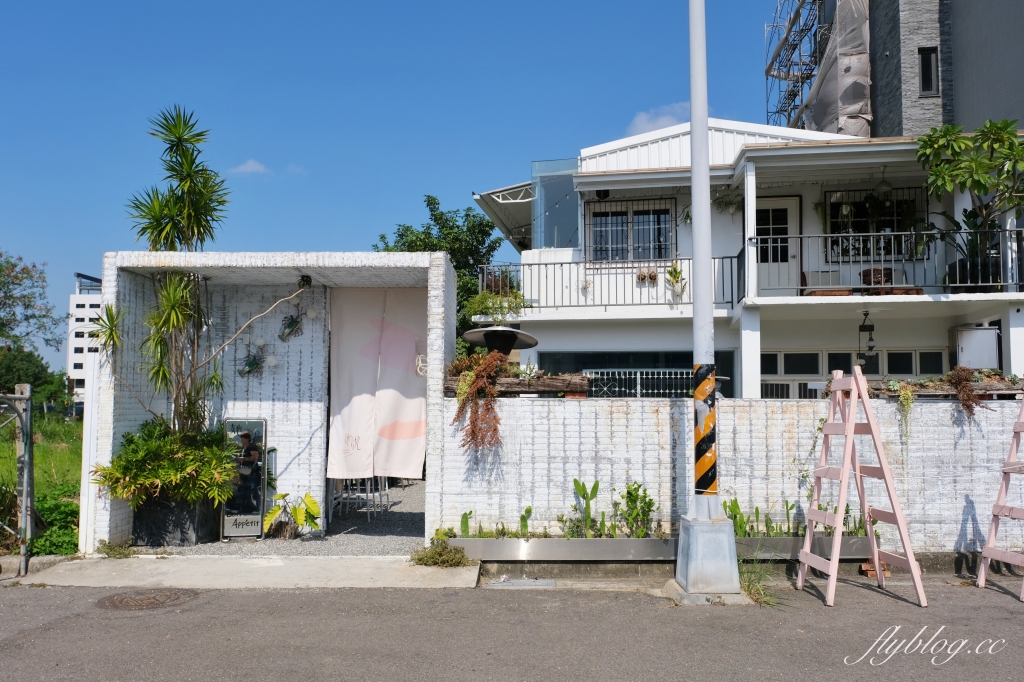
[378,401]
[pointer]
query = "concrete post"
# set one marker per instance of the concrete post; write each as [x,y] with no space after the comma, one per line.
[1012,324]
[750,228]
[750,353]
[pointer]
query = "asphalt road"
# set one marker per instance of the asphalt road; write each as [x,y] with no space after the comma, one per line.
[59,633]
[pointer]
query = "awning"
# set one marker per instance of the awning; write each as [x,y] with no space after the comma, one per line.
[511,210]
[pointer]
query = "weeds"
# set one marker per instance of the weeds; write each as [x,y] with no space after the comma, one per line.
[440,553]
[119,551]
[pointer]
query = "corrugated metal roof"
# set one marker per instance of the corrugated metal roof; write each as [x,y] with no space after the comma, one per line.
[670,147]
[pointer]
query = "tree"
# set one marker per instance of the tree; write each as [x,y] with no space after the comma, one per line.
[185,215]
[466,236]
[23,366]
[988,165]
[25,313]
[182,217]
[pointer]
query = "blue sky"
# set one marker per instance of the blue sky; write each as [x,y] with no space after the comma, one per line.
[331,121]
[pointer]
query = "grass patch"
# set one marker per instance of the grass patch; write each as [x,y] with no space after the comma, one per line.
[57,452]
[120,551]
[440,553]
[754,579]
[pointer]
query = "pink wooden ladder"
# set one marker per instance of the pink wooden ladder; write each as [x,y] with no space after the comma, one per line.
[1001,509]
[847,394]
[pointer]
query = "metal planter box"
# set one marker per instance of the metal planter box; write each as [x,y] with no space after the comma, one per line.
[160,522]
[768,549]
[564,549]
[645,549]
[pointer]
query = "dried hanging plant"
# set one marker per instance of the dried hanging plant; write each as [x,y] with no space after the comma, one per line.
[481,429]
[960,379]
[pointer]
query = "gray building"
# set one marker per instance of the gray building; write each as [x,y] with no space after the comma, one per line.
[929,62]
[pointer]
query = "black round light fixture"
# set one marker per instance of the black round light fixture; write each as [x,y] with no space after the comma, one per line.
[502,339]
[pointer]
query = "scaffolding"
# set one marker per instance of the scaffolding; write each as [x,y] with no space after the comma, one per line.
[795,42]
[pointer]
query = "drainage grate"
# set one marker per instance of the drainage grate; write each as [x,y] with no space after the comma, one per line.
[146,599]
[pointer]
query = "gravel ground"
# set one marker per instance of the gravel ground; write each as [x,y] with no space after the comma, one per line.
[398,532]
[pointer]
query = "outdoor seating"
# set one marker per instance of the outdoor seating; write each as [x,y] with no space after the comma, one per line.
[886,281]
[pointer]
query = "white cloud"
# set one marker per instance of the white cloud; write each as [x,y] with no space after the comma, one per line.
[659,117]
[250,166]
[295,169]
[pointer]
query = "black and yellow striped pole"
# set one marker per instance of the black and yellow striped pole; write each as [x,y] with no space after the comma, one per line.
[705,447]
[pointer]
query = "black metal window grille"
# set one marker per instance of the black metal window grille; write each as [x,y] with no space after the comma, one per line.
[890,222]
[772,229]
[630,230]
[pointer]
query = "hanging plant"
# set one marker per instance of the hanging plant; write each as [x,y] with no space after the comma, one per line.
[481,400]
[291,326]
[674,277]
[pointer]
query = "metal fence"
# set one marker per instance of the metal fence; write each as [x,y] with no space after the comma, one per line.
[607,283]
[639,383]
[891,262]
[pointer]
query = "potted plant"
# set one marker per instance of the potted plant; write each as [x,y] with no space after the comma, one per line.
[498,308]
[674,278]
[173,482]
[989,167]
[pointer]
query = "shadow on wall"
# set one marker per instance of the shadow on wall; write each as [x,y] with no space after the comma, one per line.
[969,540]
[483,465]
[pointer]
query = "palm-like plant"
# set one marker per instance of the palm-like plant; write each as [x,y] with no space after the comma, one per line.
[184,215]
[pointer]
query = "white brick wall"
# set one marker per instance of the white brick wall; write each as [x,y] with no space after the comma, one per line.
[291,396]
[947,474]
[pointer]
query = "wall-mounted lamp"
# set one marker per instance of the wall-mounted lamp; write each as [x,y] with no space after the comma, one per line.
[866,327]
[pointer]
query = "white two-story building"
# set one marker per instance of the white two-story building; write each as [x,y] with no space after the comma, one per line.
[811,231]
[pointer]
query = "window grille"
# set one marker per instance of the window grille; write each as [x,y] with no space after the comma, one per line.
[891,222]
[630,230]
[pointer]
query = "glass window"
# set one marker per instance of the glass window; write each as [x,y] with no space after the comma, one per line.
[901,362]
[556,205]
[79,383]
[79,350]
[610,235]
[651,234]
[769,363]
[78,365]
[79,305]
[843,361]
[94,350]
[94,305]
[801,363]
[805,393]
[930,362]
[79,335]
[772,222]
[870,364]
[79,319]
[929,75]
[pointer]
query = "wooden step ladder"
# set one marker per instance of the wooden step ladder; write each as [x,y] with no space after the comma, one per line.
[847,394]
[1002,510]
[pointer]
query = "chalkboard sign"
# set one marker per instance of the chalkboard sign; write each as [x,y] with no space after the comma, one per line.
[243,513]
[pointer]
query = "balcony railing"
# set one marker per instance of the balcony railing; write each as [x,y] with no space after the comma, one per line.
[889,263]
[639,383]
[614,283]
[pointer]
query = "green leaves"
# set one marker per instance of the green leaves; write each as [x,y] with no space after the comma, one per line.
[303,513]
[184,215]
[988,165]
[638,510]
[155,461]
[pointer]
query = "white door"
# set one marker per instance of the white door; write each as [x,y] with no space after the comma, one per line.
[778,247]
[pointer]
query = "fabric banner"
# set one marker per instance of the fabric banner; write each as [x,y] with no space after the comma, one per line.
[356,317]
[378,401]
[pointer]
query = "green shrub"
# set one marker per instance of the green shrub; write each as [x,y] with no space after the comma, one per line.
[156,462]
[58,513]
[440,553]
[119,551]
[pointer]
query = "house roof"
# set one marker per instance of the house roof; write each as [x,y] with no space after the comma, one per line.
[670,147]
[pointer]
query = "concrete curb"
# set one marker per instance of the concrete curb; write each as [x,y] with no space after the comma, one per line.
[9,564]
[673,591]
[248,573]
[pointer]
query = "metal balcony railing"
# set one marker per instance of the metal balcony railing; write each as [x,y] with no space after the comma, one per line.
[639,383]
[889,263]
[610,283]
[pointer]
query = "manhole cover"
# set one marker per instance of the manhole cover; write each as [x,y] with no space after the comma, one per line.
[146,599]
